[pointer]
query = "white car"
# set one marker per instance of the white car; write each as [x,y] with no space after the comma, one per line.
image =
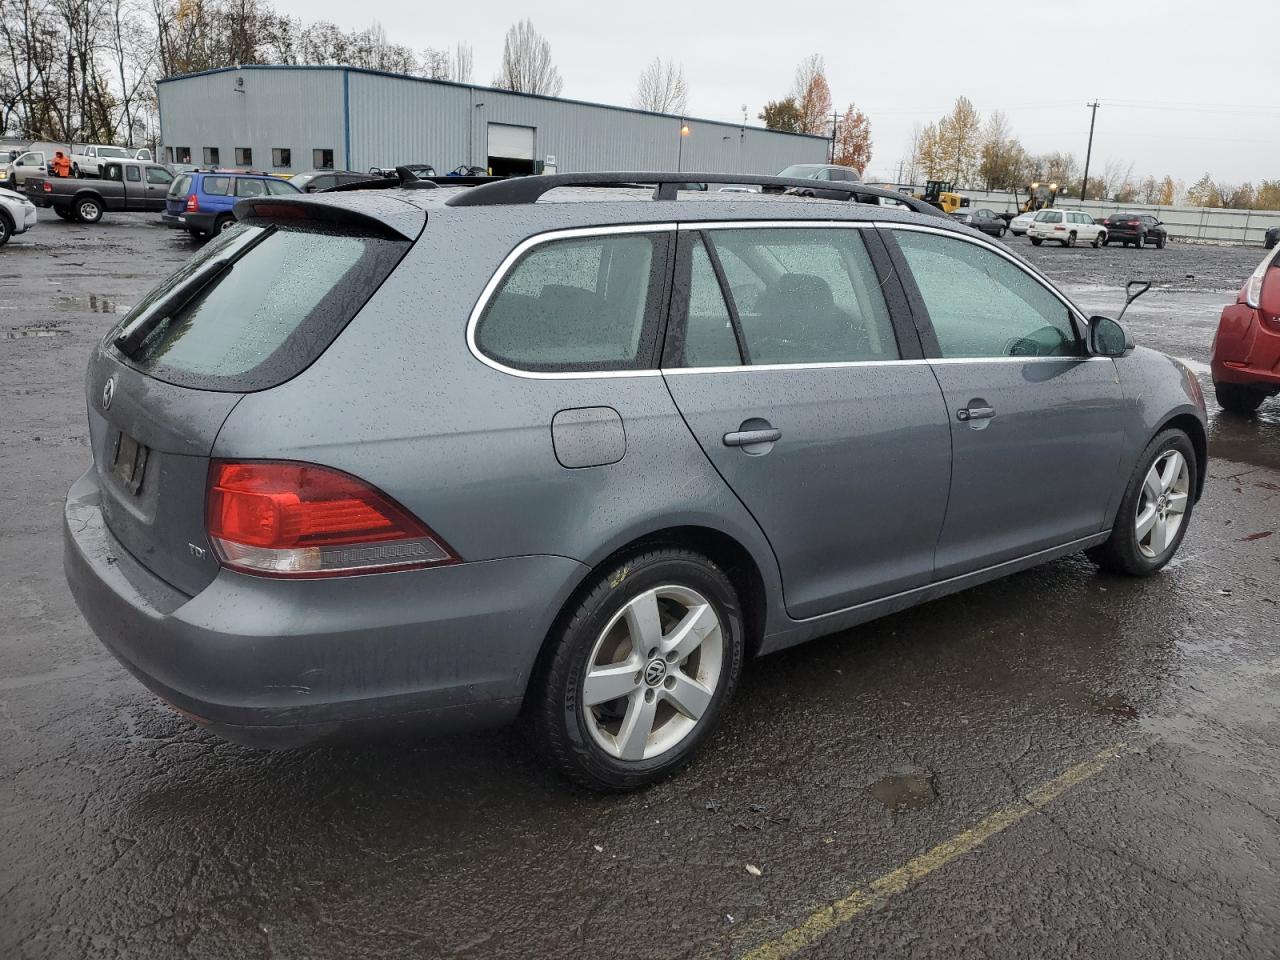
[1020,224]
[1065,226]
[85,161]
[17,215]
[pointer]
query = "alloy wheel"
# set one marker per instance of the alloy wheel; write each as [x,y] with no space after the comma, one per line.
[653,672]
[1162,506]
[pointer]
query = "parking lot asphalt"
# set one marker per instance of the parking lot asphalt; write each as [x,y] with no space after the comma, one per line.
[1061,763]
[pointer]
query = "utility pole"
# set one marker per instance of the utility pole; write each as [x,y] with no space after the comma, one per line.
[835,120]
[1084,186]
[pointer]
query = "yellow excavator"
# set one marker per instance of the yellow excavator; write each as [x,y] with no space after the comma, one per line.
[942,196]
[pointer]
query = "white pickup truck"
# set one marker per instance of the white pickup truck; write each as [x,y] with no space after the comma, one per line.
[87,159]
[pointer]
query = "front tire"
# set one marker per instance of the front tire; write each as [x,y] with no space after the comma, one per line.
[1237,398]
[1161,241]
[1097,241]
[6,231]
[1155,511]
[639,671]
[63,214]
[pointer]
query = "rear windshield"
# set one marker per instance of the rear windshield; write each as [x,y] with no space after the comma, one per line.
[179,186]
[257,305]
[117,152]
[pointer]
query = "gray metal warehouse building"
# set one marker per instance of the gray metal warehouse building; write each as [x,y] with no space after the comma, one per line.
[287,119]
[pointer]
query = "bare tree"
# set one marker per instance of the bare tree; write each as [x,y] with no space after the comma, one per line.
[436,64]
[526,63]
[812,95]
[463,60]
[662,88]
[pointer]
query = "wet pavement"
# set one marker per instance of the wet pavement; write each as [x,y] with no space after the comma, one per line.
[128,833]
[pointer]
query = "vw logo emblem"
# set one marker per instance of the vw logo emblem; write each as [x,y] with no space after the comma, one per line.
[108,391]
[655,672]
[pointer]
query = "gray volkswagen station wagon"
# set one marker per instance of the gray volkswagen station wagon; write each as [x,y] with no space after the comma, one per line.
[570,448]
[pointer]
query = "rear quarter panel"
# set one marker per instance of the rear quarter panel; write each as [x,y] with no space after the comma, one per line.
[400,401]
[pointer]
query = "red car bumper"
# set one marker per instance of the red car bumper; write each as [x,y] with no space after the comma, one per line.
[1247,348]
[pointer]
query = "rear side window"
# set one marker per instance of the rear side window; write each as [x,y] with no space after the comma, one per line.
[133,174]
[805,295]
[250,188]
[579,304]
[217,186]
[982,305]
[258,304]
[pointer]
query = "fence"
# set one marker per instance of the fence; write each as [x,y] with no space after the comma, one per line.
[1183,223]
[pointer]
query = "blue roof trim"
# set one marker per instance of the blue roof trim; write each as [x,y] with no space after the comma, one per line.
[475,86]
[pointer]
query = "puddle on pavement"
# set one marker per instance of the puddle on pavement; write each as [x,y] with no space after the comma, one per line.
[905,791]
[1116,708]
[94,303]
[23,333]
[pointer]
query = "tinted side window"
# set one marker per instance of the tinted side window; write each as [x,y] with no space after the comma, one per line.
[217,186]
[159,175]
[587,303]
[983,305]
[816,298]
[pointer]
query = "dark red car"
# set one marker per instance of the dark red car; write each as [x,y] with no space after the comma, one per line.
[1246,350]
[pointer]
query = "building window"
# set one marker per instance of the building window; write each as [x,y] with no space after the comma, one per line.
[211,157]
[244,156]
[281,157]
[180,154]
[322,159]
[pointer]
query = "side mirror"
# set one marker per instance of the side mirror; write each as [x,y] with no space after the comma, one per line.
[1107,338]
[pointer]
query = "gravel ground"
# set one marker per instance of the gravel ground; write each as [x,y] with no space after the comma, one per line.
[1123,736]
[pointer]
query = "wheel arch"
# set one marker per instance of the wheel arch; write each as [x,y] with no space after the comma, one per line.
[1190,425]
[88,193]
[721,548]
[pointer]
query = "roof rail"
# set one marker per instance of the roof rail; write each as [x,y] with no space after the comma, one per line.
[522,190]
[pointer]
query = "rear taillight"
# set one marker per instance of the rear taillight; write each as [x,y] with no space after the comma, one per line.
[1134,223]
[48,187]
[285,519]
[193,204]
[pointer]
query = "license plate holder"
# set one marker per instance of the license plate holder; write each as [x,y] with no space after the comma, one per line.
[130,462]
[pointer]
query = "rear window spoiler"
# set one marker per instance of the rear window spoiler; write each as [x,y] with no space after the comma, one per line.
[390,219]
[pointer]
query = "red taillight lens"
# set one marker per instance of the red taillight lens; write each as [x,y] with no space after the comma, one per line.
[193,204]
[285,519]
[48,187]
[1131,223]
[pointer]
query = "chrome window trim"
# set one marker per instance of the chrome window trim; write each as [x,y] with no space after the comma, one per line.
[504,268]
[528,243]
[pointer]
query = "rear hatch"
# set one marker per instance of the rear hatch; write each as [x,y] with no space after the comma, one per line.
[175,201]
[255,307]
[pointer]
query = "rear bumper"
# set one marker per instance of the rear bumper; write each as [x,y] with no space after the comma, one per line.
[1245,351]
[176,220]
[278,663]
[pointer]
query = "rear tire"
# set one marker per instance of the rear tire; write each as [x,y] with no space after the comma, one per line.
[223,223]
[1131,552]
[87,210]
[75,170]
[1106,241]
[63,214]
[1238,398]
[587,741]
[1071,239]
[1036,241]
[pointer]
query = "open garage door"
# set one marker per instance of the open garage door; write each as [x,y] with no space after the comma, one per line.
[510,150]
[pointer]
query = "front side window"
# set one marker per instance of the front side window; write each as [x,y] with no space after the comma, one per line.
[983,305]
[159,175]
[805,295]
[211,156]
[278,188]
[578,304]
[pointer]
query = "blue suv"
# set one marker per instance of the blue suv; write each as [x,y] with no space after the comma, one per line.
[201,202]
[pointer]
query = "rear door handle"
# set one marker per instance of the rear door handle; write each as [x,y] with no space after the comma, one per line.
[745,438]
[965,414]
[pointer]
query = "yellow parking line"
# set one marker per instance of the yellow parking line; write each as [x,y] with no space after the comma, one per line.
[821,922]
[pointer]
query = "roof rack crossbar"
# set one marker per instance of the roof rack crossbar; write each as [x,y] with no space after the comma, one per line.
[523,190]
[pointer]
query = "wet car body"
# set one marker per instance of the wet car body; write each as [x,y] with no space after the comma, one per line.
[529,485]
[1246,348]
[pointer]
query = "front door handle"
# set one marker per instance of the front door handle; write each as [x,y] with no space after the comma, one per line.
[745,438]
[965,414]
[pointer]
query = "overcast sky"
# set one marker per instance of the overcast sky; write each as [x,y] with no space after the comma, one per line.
[1186,87]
